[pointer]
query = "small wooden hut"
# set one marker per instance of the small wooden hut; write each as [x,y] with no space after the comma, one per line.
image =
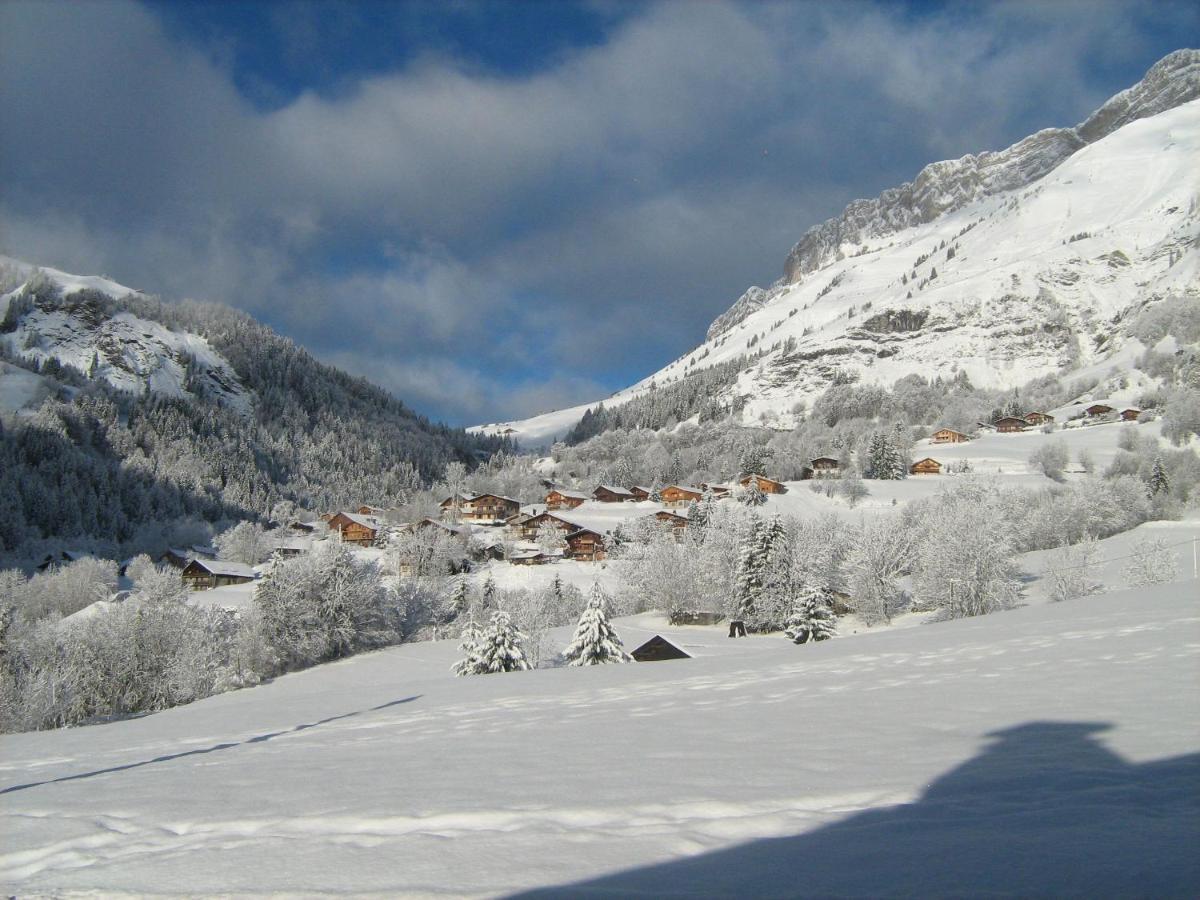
[658,649]
[926,466]
[205,574]
[948,436]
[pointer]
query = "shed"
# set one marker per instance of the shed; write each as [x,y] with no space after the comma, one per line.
[1099,409]
[926,466]
[204,574]
[658,649]
[1131,414]
[529,558]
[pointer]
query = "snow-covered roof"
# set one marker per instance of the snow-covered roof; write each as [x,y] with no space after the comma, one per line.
[576,495]
[614,489]
[224,567]
[359,519]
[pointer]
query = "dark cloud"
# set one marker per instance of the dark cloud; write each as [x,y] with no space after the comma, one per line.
[489,245]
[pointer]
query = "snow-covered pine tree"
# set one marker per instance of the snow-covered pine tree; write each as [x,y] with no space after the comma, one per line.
[595,642]
[812,617]
[752,561]
[750,495]
[487,597]
[460,597]
[500,646]
[471,663]
[1159,482]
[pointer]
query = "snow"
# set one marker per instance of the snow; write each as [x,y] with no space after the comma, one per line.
[1016,267]
[21,389]
[1051,750]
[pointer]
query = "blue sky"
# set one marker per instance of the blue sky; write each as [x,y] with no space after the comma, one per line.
[494,209]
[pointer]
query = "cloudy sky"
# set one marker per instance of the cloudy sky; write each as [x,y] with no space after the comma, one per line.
[495,209]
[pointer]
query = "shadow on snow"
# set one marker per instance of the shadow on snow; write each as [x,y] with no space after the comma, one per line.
[1044,810]
[229,745]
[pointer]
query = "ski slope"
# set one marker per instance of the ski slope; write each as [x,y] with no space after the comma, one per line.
[1050,750]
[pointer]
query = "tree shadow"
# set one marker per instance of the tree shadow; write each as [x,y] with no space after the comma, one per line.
[1043,810]
[228,745]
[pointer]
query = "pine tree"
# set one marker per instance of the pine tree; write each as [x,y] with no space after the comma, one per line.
[460,597]
[500,647]
[1159,482]
[812,617]
[752,561]
[595,642]
[487,600]
[471,662]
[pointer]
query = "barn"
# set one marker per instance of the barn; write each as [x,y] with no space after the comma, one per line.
[1130,415]
[926,466]
[529,558]
[948,436]
[641,492]
[658,649]
[1099,409]
[1038,418]
[205,574]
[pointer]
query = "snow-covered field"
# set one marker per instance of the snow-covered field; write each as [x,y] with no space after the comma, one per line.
[1051,750]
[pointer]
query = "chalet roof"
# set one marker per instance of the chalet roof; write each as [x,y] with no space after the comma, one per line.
[528,554]
[640,487]
[445,526]
[691,489]
[577,495]
[821,459]
[658,648]
[580,531]
[1005,419]
[951,430]
[1130,409]
[614,489]
[462,498]
[757,476]
[925,460]
[1038,412]
[494,497]
[359,519]
[223,567]
[666,513]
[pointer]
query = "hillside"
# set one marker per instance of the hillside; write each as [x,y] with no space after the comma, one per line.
[757,768]
[124,413]
[999,268]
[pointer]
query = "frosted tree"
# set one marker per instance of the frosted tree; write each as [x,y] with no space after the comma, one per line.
[550,538]
[750,495]
[884,459]
[811,618]
[487,594]
[1071,568]
[245,542]
[878,557]
[459,600]
[1153,563]
[500,646]
[595,642]
[471,663]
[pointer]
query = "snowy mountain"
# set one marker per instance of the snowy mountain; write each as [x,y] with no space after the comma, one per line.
[75,326]
[1000,267]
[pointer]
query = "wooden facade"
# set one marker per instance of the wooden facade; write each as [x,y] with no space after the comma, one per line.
[376,511]
[926,466]
[1099,409]
[355,529]
[1130,415]
[948,436]
[764,484]
[529,528]
[677,523]
[559,499]
[530,558]
[717,490]
[826,467]
[674,495]
[640,493]
[205,574]
[585,545]
[1010,424]
[658,649]
[608,493]
[489,509]
[1039,418]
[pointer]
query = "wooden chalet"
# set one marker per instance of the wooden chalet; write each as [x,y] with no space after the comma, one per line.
[490,509]
[62,558]
[641,493]
[205,574]
[175,557]
[302,527]
[562,499]
[1038,418]
[355,528]
[585,545]
[717,490]
[1010,424]
[926,466]
[948,436]
[376,511]
[291,547]
[826,467]
[1099,409]
[608,493]
[529,529]
[676,495]
[1131,414]
[529,558]
[764,484]
[658,649]
[677,523]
